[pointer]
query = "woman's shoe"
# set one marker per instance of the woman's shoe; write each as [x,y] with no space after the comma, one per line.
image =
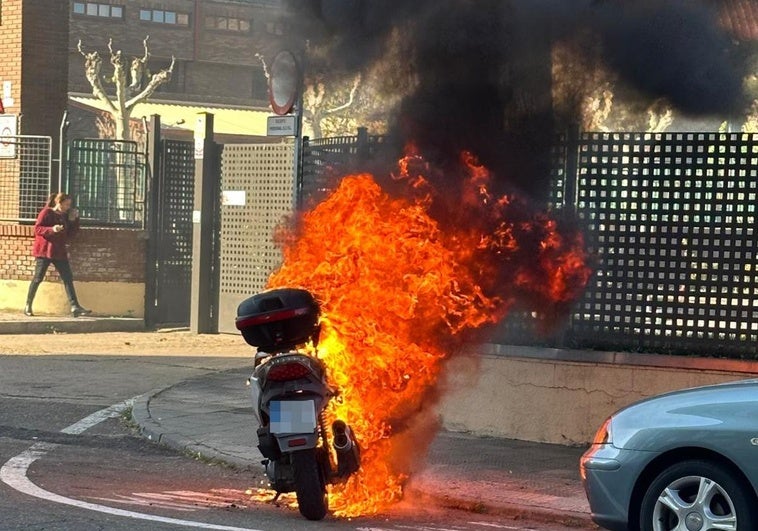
[78,311]
[28,310]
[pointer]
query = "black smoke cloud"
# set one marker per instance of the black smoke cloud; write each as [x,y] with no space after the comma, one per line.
[484,67]
[672,49]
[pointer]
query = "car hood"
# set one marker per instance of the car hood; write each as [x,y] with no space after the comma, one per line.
[690,411]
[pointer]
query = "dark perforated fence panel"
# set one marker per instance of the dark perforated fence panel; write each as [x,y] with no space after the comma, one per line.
[326,160]
[173,241]
[670,220]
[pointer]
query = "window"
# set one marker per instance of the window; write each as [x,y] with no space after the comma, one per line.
[161,16]
[275,28]
[238,25]
[96,9]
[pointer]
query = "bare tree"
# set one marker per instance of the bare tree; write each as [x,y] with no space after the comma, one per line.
[128,94]
[317,107]
[336,101]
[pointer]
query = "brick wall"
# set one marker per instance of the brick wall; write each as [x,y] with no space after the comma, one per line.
[97,255]
[16,261]
[10,44]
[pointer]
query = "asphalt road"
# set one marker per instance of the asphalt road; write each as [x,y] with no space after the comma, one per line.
[108,466]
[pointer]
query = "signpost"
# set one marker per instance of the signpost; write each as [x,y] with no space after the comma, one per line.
[286,96]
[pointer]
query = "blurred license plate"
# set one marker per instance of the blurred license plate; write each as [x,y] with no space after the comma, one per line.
[293,416]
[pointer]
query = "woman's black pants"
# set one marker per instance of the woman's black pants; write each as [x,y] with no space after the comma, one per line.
[64,271]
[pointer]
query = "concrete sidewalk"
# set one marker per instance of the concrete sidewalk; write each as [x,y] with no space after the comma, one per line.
[212,416]
[18,323]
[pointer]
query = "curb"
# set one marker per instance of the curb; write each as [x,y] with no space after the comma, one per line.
[72,326]
[151,429]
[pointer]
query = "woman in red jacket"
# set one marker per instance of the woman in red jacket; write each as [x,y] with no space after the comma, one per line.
[55,225]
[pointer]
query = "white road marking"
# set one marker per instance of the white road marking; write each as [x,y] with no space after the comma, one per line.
[132,500]
[496,526]
[182,500]
[427,528]
[13,473]
[215,497]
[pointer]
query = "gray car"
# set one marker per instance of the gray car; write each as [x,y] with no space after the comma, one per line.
[684,461]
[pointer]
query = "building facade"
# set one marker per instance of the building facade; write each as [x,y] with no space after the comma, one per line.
[216,44]
[34,69]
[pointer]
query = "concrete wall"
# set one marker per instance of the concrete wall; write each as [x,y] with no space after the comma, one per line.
[108,265]
[562,397]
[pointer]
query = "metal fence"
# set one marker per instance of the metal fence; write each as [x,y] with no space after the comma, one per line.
[107,180]
[173,189]
[671,222]
[25,170]
[672,218]
[325,160]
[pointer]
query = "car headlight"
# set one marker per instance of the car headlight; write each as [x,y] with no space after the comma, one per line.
[604,435]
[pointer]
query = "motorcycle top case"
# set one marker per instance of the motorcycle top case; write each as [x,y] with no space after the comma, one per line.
[278,319]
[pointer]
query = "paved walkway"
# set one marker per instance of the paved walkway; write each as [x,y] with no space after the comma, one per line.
[18,323]
[211,416]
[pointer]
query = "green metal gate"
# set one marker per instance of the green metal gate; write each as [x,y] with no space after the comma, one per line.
[107,180]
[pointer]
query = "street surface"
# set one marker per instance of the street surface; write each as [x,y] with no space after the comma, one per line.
[106,465]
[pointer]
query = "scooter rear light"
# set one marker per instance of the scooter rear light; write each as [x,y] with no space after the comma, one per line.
[297,442]
[283,372]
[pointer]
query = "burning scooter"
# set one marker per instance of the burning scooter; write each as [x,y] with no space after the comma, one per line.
[290,395]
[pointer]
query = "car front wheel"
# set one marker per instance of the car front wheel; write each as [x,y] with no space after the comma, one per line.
[697,495]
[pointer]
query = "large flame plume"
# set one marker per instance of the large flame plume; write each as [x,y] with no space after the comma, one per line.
[402,279]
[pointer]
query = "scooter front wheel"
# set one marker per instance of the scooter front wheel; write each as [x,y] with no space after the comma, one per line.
[310,485]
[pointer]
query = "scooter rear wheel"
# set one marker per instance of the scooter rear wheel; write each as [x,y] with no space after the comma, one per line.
[310,486]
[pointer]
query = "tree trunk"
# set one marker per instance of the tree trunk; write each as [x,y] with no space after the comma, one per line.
[122,125]
[315,120]
[121,196]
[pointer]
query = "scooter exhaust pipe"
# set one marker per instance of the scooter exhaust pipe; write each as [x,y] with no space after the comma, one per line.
[348,452]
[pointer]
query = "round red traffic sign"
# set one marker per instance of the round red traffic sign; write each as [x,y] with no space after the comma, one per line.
[284,82]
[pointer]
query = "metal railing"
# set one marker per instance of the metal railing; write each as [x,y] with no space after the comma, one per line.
[670,219]
[107,180]
[25,170]
[326,159]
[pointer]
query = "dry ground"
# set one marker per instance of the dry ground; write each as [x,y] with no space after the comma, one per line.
[171,343]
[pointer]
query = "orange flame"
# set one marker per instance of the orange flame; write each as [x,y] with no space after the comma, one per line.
[399,289]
